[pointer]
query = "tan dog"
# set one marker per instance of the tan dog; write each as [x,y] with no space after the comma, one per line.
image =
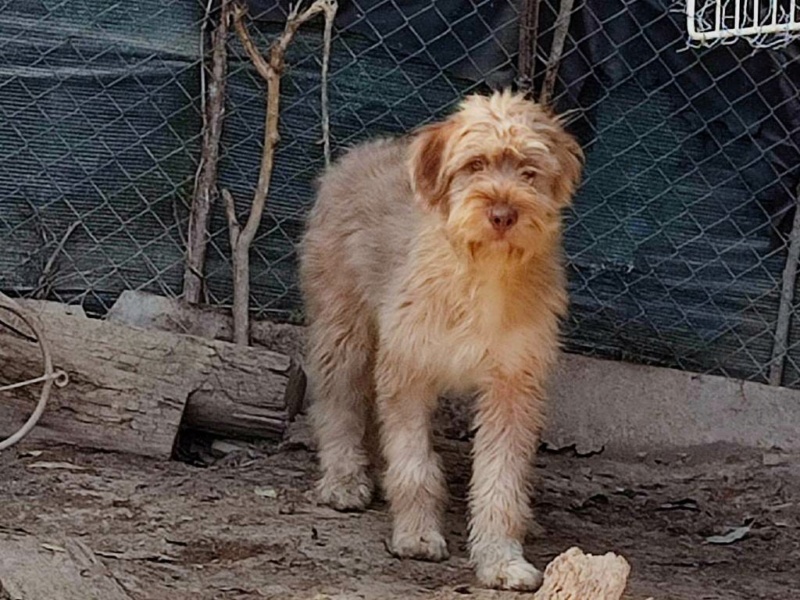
[431,264]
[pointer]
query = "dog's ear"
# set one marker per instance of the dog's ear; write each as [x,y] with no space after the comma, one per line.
[566,157]
[426,163]
[569,156]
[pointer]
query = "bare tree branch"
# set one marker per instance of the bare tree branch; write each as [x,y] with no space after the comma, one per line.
[205,189]
[271,71]
[557,50]
[46,280]
[258,60]
[528,43]
[330,13]
[785,310]
[230,213]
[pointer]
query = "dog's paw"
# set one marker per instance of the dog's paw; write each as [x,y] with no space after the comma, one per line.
[503,567]
[351,492]
[514,574]
[428,545]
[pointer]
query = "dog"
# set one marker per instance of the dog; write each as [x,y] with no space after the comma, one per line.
[432,263]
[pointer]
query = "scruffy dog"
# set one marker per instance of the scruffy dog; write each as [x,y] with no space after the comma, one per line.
[433,263]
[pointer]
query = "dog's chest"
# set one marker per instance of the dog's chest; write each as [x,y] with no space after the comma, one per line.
[458,332]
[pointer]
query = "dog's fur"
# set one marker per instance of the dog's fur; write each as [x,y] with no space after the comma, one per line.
[433,263]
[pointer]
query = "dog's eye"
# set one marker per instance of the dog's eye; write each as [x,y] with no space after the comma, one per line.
[476,165]
[529,175]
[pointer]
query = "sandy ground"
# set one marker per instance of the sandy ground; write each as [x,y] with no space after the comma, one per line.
[246,525]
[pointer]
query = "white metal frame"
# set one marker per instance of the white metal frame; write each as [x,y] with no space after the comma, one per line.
[734,19]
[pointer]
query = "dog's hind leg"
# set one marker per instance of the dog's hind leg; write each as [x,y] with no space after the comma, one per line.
[340,373]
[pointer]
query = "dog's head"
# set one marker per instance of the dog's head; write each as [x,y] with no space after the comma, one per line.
[498,172]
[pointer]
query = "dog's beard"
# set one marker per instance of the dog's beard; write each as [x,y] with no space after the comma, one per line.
[474,238]
[497,253]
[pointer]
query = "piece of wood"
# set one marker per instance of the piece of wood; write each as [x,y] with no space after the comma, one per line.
[248,392]
[132,389]
[151,311]
[271,70]
[786,307]
[31,570]
[573,575]
[205,191]
[528,43]
[115,400]
[560,33]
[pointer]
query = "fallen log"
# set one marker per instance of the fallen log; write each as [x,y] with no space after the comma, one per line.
[132,389]
[151,311]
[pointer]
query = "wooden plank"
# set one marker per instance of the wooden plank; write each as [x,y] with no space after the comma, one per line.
[30,571]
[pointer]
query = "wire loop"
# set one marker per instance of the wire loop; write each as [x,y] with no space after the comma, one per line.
[48,379]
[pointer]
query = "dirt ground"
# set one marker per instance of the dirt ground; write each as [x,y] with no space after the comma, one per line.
[246,525]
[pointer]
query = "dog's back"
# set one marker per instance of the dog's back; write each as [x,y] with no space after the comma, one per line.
[363,224]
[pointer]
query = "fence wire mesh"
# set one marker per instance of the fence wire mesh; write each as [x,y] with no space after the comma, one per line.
[676,245]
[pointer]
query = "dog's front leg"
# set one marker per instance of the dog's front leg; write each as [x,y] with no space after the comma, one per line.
[508,420]
[414,482]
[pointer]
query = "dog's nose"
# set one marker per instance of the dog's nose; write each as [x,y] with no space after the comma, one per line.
[503,217]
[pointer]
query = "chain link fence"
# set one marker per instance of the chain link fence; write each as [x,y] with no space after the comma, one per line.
[676,245]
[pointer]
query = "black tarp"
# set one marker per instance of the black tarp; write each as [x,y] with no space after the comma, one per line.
[694,158]
[468,39]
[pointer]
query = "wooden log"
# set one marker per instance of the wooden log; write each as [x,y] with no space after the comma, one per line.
[132,389]
[151,311]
